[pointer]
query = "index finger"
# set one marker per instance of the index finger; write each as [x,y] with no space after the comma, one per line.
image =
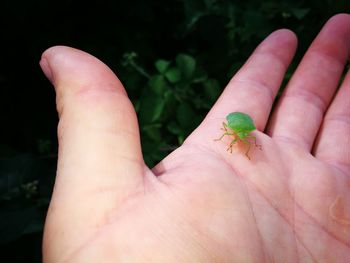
[253,89]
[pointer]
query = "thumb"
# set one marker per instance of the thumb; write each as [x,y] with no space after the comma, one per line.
[100,161]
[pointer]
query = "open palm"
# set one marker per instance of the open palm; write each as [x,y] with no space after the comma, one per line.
[289,203]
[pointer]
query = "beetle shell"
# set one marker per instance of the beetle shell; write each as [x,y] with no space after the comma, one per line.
[240,122]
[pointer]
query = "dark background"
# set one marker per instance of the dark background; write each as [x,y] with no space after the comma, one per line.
[174,58]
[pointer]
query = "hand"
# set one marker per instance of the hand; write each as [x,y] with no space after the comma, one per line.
[289,203]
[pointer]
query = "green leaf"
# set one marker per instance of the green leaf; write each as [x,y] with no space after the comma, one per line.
[173,75]
[180,139]
[186,64]
[158,84]
[157,109]
[162,65]
[212,89]
[194,11]
[255,25]
[153,131]
[186,117]
[174,128]
[300,13]
[137,104]
[171,103]
[199,76]
[151,109]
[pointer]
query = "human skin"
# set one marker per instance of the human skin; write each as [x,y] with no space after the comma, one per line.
[289,203]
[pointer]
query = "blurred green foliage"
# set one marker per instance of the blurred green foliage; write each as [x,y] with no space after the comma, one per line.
[173,95]
[174,58]
[172,102]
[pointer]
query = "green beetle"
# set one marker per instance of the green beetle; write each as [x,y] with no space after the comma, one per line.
[239,125]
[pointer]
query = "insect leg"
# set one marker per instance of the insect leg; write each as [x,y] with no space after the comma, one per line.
[247,143]
[226,133]
[254,139]
[231,144]
[224,125]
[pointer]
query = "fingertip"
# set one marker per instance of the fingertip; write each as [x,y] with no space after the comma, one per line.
[284,33]
[281,43]
[55,59]
[50,58]
[73,70]
[45,67]
[283,37]
[340,18]
[57,52]
[338,28]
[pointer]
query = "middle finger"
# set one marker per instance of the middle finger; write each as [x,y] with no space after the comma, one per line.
[300,111]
